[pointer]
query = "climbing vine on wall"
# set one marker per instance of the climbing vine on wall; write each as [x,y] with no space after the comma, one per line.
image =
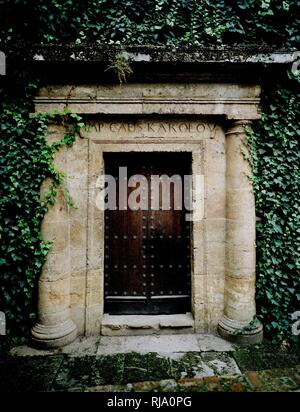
[166,22]
[26,159]
[276,161]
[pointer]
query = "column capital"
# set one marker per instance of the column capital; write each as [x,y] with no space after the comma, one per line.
[238,126]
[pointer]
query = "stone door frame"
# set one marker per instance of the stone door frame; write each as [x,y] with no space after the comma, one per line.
[95,249]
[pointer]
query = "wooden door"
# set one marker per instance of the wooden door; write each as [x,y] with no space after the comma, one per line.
[147,252]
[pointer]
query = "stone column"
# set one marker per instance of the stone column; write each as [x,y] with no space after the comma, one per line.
[238,323]
[55,326]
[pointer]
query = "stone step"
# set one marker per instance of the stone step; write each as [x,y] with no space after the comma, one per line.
[124,325]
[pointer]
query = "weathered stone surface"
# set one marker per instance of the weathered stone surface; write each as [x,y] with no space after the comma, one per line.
[126,325]
[189,365]
[108,369]
[93,319]
[74,373]
[252,56]
[168,385]
[223,239]
[135,368]
[158,366]
[239,308]
[82,346]
[260,359]
[178,345]
[220,363]
[150,343]
[265,367]
[213,343]
[89,371]
[183,99]
[28,374]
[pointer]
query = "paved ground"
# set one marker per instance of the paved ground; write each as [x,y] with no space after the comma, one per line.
[164,344]
[152,363]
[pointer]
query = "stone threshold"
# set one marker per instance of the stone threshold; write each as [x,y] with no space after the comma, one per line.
[126,325]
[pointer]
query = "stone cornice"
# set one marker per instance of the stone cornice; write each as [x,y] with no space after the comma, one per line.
[158,54]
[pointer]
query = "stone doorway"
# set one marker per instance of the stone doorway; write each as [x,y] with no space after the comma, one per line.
[148,237]
[208,122]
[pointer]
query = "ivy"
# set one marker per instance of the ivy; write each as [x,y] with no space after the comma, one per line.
[276,162]
[26,160]
[165,22]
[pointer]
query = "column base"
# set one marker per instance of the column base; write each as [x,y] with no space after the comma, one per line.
[53,336]
[235,331]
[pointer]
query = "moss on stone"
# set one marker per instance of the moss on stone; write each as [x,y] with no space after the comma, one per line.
[158,367]
[259,359]
[220,363]
[108,370]
[28,374]
[136,367]
[188,366]
[153,53]
[75,372]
